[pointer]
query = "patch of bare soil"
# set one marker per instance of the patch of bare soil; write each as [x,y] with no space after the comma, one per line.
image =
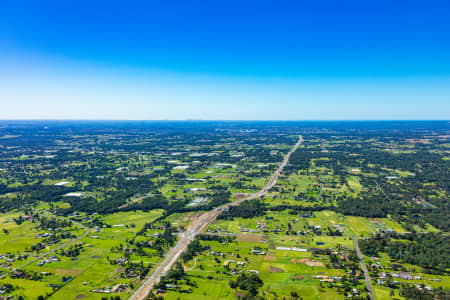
[275,270]
[251,238]
[270,257]
[64,272]
[375,221]
[308,262]
[189,217]
[80,296]
[240,195]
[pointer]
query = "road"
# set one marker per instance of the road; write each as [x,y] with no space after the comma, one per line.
[364,268]
[55,249]
[198,225]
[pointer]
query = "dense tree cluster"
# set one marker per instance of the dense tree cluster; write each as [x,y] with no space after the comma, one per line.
[430,251]
[412,292]
[193,249]
[249,282]
[247,209]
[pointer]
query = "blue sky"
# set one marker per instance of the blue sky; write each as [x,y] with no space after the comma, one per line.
[252,60]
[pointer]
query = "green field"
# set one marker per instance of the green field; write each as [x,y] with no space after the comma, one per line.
[91,269]
[288,276]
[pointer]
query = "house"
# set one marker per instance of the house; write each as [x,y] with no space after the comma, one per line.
[291,249]
[258,251]
[405,275]
[283,248]
[243,229]
[120,260]
[227,262]
[315,249]
[118,288]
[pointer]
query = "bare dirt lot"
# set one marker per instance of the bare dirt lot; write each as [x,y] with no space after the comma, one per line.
[275,270]
[251,238]
[308,262]
[270,257]
[375,221]
[240,195]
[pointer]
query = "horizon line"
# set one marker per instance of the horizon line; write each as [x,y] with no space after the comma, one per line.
[230,120]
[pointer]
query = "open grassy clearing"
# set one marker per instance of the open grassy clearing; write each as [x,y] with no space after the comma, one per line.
[19,237]
[277,222]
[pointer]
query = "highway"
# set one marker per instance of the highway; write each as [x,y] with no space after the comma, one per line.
[198,225]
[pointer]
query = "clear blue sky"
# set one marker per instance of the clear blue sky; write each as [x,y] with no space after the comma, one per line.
[284,60]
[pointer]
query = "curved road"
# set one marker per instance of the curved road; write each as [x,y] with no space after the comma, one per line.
[198,225]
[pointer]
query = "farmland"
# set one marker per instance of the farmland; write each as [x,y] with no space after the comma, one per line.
[91,212]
